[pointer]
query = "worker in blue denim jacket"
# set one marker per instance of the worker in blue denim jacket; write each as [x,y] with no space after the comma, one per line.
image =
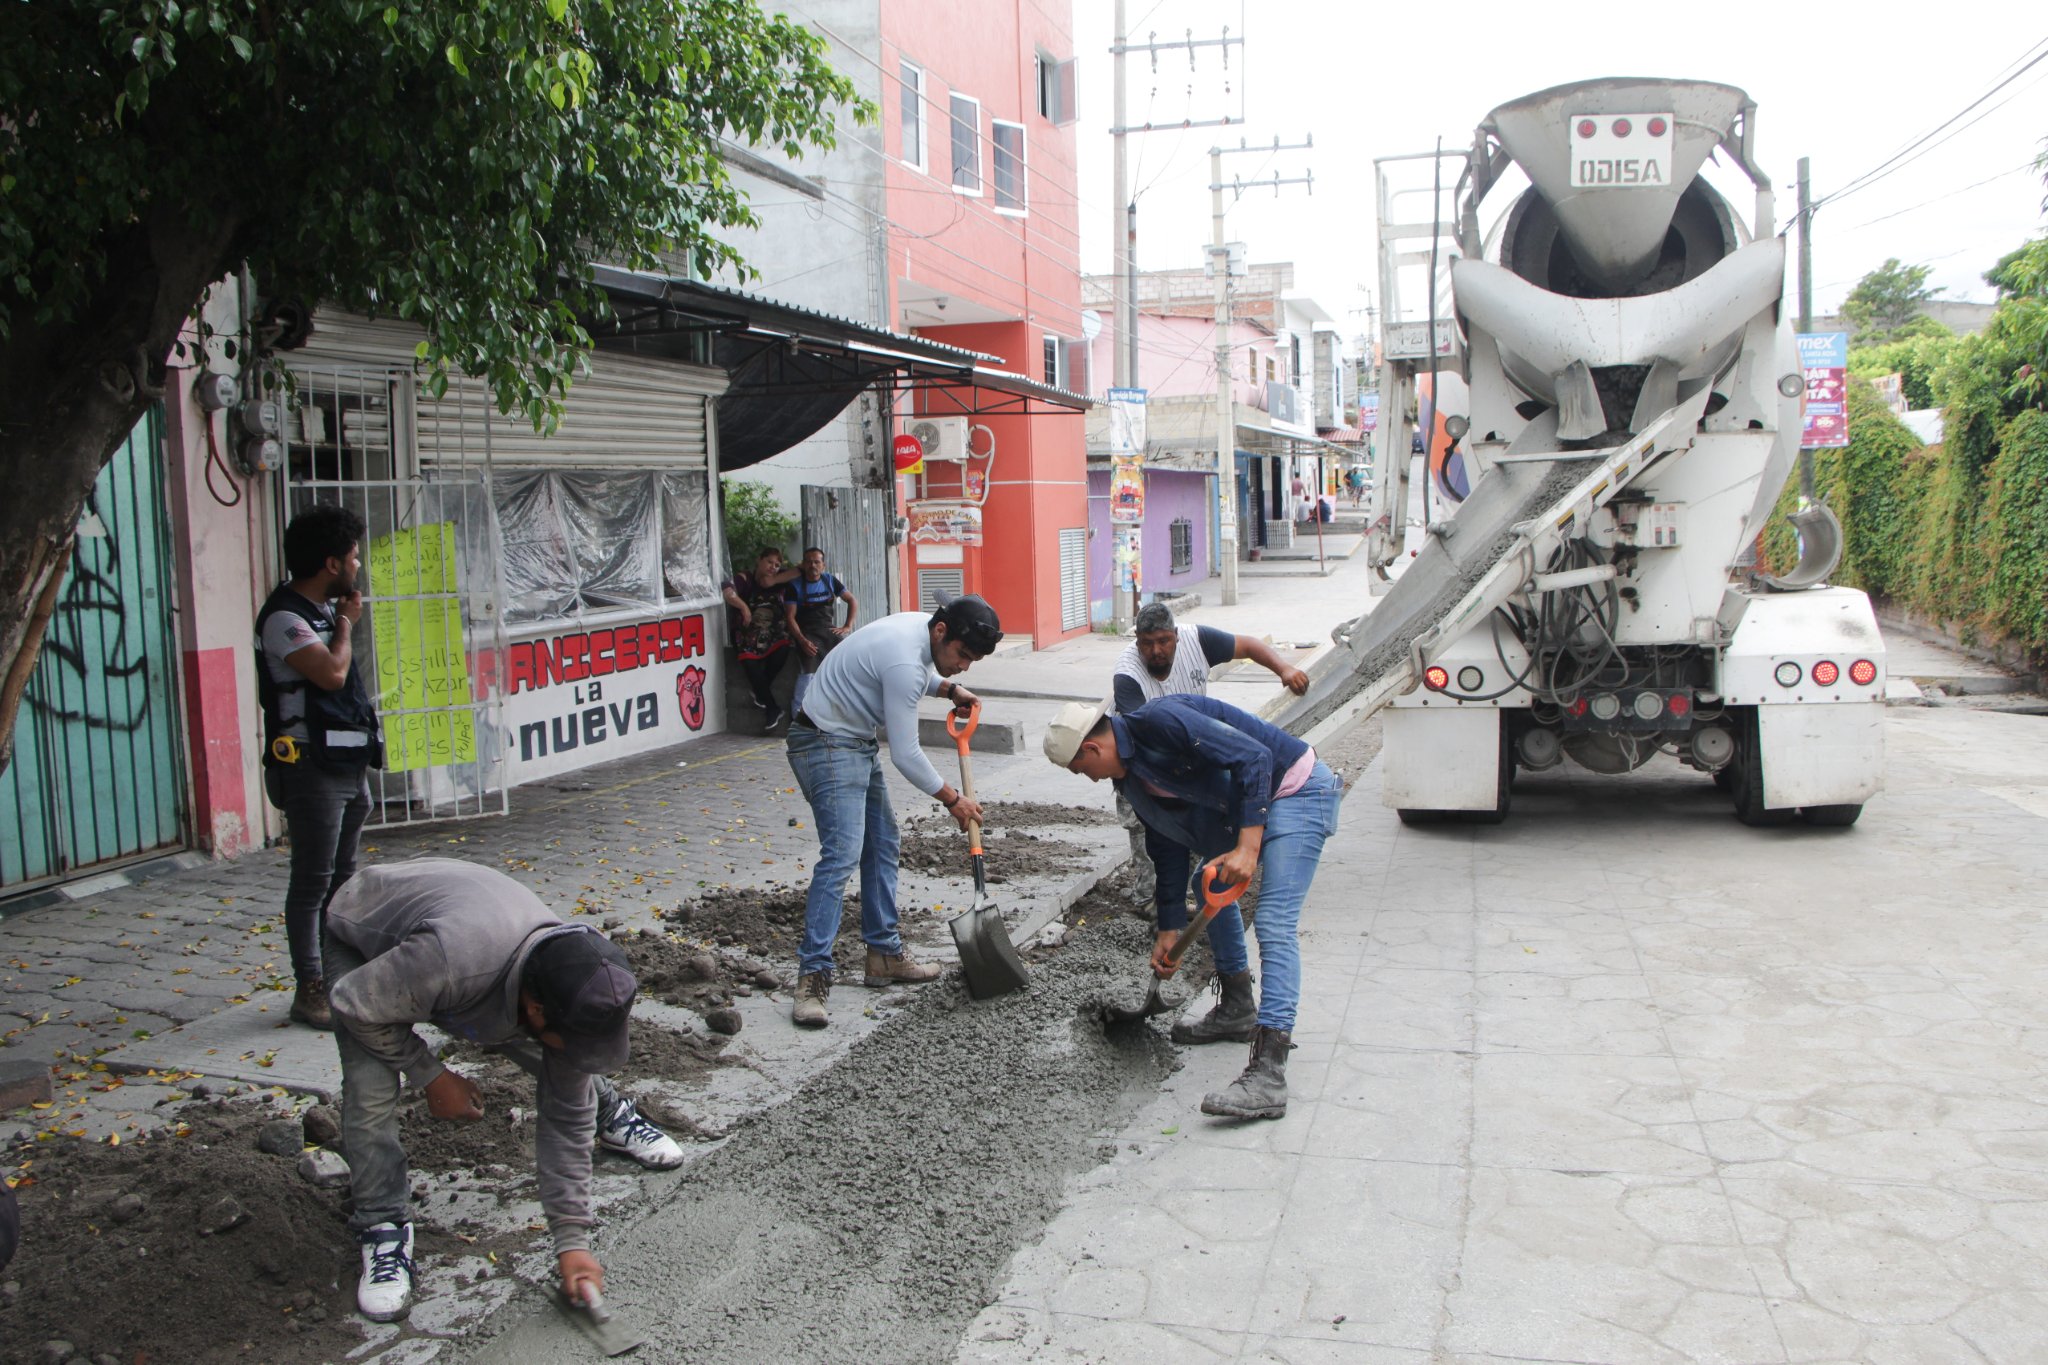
[1210,780]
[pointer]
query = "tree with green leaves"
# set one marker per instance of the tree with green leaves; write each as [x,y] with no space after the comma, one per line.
[1885,304]
[459,165]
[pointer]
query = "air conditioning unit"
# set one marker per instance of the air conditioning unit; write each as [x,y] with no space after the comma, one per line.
[943,438]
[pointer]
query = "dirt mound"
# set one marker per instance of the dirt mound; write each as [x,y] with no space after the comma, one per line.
[938,848]
[136,1279]
[747,929]
[1003,815]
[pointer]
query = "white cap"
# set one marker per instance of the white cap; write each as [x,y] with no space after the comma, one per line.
[1063,737]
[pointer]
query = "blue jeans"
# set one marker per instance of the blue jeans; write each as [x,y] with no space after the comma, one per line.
[1296,828]
[842,779]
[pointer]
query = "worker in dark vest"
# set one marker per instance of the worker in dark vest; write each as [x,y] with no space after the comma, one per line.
[320,730]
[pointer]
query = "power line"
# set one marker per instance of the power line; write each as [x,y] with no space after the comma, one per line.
[1912,150]
[2027,165]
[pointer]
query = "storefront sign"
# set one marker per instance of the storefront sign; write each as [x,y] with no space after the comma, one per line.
[1127,559]
[423,690]
[1824,359]
[1369,412]
[944,523]
[578,697]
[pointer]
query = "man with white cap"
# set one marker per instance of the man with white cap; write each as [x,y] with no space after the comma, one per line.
[478,955]
[1217,782]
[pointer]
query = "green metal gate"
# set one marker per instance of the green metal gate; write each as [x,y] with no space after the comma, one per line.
[98,774]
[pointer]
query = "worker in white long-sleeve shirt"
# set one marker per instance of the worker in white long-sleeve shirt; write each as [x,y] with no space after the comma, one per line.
[873,683]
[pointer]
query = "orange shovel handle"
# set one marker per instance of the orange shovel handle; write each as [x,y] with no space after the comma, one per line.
[962,733]
[1213,900]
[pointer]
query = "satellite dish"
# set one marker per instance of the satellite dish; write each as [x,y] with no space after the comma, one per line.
[1091,324]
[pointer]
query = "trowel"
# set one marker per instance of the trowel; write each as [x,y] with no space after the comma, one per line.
[1213,900]
[988,960]
[612,1335]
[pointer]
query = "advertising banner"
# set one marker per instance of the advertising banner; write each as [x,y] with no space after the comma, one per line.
[1369,412]
[1824,360]
[1127,422]
[944,523]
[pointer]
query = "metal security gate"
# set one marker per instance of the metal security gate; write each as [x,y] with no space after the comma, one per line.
[98,774]
[1074,578]
[433,654]
[851,526]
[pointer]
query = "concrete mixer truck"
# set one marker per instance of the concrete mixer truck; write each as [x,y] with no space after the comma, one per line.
[1632,392]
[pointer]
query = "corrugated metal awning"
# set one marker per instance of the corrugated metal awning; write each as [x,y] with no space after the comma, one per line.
[793,369]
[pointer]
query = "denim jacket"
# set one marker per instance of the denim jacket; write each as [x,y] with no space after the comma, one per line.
[1216,767]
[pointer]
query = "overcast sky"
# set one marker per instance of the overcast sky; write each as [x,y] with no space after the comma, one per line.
[1847,86]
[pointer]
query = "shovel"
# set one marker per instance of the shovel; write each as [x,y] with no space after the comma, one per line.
[1155,1003]
[988,959]
[610,1335]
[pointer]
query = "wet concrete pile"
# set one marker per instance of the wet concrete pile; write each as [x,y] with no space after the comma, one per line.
[871,1215]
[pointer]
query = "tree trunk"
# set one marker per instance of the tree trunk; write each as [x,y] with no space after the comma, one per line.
[70,393]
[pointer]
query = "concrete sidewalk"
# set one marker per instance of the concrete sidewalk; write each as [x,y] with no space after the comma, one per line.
[1618,1081]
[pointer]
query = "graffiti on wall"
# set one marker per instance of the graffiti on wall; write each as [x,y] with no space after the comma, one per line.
[100,660]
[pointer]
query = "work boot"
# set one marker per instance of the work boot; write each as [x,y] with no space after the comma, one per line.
[811,990]
[309,1004]
[1261,1092]
[889,969]
[1230,1020]
[384,1293]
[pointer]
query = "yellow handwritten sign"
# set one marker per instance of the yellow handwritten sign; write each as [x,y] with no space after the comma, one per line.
[422,665]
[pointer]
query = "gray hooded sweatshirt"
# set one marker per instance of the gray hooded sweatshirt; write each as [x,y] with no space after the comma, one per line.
[446,942]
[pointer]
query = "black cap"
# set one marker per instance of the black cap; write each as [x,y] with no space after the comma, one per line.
[586,989]
[972,622]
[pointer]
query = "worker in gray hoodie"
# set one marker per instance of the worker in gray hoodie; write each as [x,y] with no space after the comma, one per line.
[476,954]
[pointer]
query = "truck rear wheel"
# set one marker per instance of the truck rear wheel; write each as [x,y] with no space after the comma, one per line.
[1746,781]
[1831,817]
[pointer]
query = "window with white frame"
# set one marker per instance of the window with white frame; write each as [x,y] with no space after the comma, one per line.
[966,143]
[912,78]
[1066,364]
[1007,167]
[1054,80]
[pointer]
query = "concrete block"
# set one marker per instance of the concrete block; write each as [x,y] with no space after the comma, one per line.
[990,737]
[24,1079]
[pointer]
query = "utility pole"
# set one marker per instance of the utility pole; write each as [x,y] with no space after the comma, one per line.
[1119,290]
[1123,287]
[1806,477]
[1226,406]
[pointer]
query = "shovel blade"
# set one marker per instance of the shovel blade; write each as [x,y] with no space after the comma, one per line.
[988,960]
[610,1333]
[1116,1016]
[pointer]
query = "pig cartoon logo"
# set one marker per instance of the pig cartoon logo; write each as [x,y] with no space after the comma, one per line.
[690,696]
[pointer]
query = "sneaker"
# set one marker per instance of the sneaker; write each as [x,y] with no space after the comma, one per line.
[631,1135]
[776,715]
[809,1009]
[384,1294]
[894,969]
[309,1004]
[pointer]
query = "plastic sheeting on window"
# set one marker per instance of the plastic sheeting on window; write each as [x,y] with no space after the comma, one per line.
[540,580]
[610,518]
[585,541]
[686,537]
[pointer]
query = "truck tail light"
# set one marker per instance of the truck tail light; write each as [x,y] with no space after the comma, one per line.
[1436,677]
[1825,673]
[1863,673]
[1680,706]
[1788,674]
[1622,127]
